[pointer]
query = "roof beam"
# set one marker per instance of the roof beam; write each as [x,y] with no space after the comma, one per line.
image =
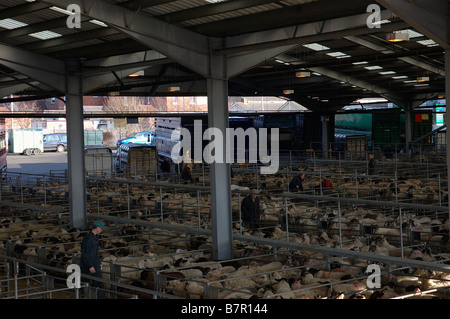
[304,33]
[211,9]
[4,91]
[387,50]
[22,9]
[244,52]
[285,16]
[69,39]
[123,65]
[181,45]
[41,68]
[386,93]
[36,27]
[428,17]
[141,4]
[96,51]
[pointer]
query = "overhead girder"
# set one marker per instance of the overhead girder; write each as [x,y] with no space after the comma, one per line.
[54,44]
[36,27]
[388,50]
[4,91]
[286,15]
[122,65]
[39,67]
[22,9]
[432,18]
[181,45]
[97,51]
[210,10]
[384,92]
[305,33]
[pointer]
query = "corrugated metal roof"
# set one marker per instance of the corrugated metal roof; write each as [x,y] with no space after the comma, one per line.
[232,14]
[226,19]
[174,6]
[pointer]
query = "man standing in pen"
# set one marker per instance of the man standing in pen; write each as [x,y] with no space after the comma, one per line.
[251,212]
[90,259]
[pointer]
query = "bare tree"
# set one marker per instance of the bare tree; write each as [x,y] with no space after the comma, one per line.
[25,106]
[127,105]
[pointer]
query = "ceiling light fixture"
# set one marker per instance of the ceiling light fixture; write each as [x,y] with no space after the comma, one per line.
[136,74]
[423,79]
[302,74]
[397,37]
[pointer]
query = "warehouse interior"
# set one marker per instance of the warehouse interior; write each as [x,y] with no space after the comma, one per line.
[321,54]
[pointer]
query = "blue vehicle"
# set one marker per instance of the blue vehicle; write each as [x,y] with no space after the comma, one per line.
[139,138]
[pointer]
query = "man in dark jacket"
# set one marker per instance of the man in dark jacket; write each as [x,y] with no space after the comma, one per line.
[296,183]
[186,173]
[165,166]
[251,212]
[372,165]
[90,259]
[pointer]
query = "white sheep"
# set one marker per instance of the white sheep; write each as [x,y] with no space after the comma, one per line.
[178,288]
[196,290]
[309,291]
[239,283]
[284,290]
[349,287]
[243,294]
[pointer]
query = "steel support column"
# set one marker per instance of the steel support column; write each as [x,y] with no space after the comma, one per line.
[447,98]
[325,121]
[75,142]
[408,129]
[217,87]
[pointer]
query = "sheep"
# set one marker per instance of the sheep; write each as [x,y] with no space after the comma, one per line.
[191,273]
[195,289]
[336,273]
[177,288]
[239,283]
[405,281]
[309,291]
[349,287]
[243,294]
[307,278]
[217,274]
[283,289]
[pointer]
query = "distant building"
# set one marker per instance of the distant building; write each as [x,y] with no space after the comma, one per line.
[107,104]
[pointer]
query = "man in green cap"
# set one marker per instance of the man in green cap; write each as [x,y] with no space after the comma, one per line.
[90,260]
[251,212]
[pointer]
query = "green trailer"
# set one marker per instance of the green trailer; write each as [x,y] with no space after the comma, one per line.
[93,137]
[383,128]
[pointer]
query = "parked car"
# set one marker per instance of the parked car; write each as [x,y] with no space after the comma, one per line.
[55,142]
[138,138]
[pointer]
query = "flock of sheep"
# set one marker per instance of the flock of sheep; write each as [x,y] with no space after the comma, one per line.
[170,262]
